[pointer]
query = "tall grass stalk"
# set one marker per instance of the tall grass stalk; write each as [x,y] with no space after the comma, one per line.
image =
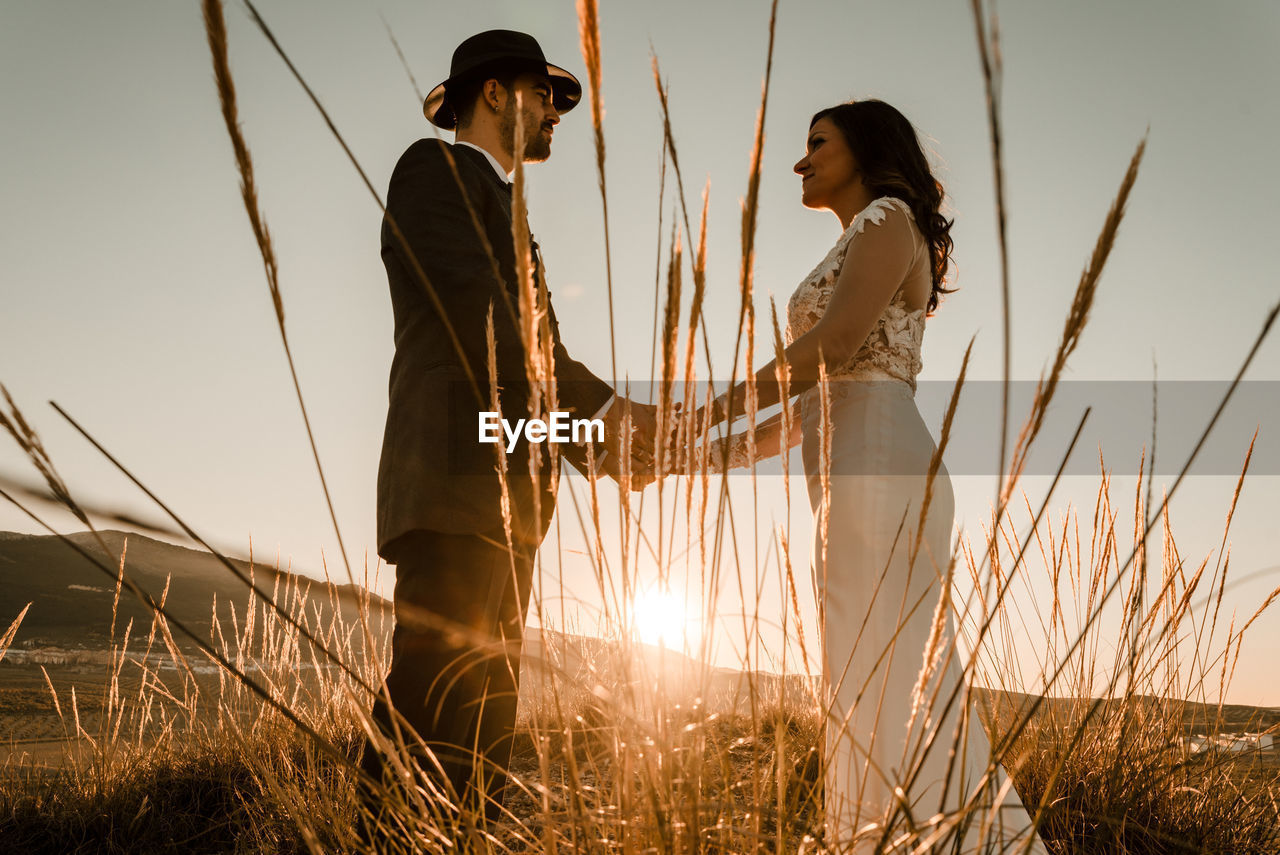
[589,40]
[216,30]
[992,62]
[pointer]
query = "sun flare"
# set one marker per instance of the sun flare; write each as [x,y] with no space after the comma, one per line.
[663,618]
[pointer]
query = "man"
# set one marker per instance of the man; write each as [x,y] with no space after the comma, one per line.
[461,592]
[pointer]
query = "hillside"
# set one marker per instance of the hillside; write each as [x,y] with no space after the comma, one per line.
[71,598]
[1196,717]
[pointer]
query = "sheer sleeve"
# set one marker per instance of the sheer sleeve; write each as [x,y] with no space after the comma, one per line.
[881,251]
[769,443]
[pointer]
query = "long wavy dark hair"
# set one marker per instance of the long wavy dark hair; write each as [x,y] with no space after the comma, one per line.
[893,164]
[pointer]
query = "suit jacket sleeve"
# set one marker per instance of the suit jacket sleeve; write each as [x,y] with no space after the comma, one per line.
[579,391]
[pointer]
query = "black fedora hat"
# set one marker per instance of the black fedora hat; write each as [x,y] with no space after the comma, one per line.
[486,49]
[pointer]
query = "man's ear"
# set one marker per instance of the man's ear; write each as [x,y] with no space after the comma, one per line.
[493,94]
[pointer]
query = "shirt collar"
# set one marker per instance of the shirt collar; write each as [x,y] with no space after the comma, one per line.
[497,167]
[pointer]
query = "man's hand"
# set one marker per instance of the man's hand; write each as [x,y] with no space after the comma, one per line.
[629,429]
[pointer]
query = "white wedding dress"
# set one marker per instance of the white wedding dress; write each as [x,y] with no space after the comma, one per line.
[889,765]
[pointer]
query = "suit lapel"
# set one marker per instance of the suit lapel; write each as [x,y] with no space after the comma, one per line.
[503,188]
[480,162]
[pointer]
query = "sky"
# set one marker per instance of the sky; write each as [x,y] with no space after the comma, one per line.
[134,297]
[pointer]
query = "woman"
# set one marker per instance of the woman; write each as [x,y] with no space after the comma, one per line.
[861,312]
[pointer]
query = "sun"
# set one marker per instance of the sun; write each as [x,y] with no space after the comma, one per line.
[662,618]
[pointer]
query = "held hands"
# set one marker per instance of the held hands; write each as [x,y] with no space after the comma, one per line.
[695,427]
[711,415]
[630,430]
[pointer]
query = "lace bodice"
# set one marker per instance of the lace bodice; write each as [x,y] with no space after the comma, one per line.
[892,350]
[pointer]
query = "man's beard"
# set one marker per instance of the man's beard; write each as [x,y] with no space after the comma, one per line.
[537,147]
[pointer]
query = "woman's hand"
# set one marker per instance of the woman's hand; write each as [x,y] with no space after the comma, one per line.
[716,449]
[705,418]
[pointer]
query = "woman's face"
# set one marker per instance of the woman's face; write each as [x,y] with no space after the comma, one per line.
[828,169]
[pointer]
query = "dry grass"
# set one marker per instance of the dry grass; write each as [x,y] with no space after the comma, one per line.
[620,752]
[1106,759]
[623,749]
[177,754]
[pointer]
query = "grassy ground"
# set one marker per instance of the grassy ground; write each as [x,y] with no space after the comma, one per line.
[237,777]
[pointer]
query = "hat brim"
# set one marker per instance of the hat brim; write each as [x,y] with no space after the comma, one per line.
[566,92]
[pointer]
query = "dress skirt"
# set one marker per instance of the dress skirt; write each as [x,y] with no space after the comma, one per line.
[889,771]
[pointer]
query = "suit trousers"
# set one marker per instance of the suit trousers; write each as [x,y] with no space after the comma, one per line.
[460,602]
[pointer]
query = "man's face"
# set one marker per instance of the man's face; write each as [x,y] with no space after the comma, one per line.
[540,115]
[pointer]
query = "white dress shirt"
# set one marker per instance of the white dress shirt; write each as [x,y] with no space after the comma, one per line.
[497,167]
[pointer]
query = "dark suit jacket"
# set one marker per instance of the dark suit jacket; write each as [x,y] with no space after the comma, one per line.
[434,473]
